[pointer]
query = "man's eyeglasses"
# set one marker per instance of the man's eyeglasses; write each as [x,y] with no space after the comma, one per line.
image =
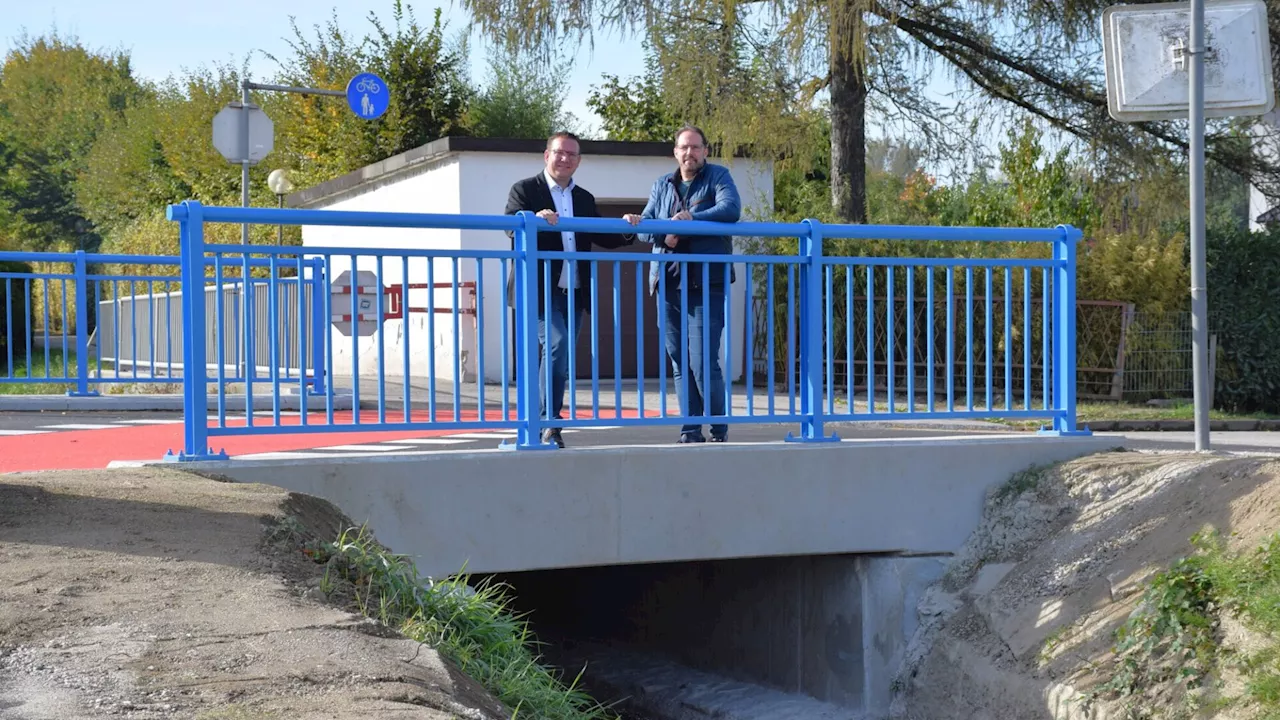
[689,148]
[565,154]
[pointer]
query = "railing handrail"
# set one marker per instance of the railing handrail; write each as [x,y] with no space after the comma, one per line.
[511,223]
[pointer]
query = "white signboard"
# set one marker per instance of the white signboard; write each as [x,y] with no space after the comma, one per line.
[1147,64]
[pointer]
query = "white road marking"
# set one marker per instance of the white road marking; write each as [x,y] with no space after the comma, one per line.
[78,426]
[22,432]
[430,441]
[495,435]
[366,448]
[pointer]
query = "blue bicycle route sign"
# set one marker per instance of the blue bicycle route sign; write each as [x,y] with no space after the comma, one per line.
[368,96]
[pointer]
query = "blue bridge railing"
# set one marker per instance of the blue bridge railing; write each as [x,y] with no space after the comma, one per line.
[88,320]
[431,335]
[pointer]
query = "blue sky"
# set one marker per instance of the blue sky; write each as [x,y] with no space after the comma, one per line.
[163,38]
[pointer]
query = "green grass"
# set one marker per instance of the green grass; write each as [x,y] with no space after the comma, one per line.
[1173,640]
[1093,412]
[473,627]
[58,366]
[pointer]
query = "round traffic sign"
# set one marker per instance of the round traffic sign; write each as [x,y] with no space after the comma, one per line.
[368,96]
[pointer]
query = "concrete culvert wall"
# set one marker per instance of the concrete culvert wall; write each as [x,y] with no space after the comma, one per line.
[799,636]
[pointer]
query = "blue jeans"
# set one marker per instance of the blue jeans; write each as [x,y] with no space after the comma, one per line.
[557,322]
[703,322]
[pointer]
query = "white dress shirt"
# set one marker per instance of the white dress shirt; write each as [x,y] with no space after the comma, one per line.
[563,200]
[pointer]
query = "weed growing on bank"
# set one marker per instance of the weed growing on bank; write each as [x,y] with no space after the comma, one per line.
[473,627]
[1171,648]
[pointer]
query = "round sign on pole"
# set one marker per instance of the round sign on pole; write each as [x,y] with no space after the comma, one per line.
[368,96]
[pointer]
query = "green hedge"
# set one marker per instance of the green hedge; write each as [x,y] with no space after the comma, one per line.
[1244,312]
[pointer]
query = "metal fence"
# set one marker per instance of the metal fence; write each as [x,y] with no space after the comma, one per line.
[87,320]
[696,293]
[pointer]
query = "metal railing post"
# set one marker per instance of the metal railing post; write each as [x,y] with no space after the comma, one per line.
[319,326]
[1064,332]
[195,400]
[811,337]
[82,329]
[529,435]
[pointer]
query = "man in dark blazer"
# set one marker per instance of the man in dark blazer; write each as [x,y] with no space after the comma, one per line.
[552,194]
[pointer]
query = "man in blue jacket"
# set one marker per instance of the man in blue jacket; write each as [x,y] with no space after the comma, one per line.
[695,191]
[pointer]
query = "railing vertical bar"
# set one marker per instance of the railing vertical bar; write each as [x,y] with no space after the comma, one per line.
[480,375]
[791,336]
[704,387]
[850,331]
[8,326]
[133,325]
[1026,338]
[640,369]
[327,300]
[431,344]
[929,330]
[115,331]
[407,398]
[685,370]
[380,333]
[354,308]
[168,328]
[660,306]
[250,332]
[219,317]
[1046,337]
[728,340]
[749,339]
[773,356]
[871,339]
[951,340]
[617,339]
[989,343]
[1008,340]
[273,335]
[829,337]
[457,340]
[571,332]
[911,340]
[891,341]
[151,323]
[595,340]
[546,376]
[66,366]
[506,340]
[302,336]
[48,365]
[968,337]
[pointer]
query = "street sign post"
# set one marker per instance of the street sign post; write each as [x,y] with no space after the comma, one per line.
[1157,57]
[368,96]
[365,317]
[228,130]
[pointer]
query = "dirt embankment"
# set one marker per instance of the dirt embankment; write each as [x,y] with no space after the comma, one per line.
[1022,625]
[153,593]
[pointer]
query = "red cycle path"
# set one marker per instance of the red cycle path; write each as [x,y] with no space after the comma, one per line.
[85,449]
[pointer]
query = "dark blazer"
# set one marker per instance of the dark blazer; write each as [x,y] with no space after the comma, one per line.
[533,194]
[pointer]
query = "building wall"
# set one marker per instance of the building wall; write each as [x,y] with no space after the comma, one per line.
[478,183]
[1267,143]
[486,179]
[433,189]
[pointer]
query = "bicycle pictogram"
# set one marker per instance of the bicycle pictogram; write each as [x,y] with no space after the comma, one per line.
[368,85]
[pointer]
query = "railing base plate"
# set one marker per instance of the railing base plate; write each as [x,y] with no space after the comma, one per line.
[822,439]
[1050,432]
[89,393]
[182,457]
[505,445]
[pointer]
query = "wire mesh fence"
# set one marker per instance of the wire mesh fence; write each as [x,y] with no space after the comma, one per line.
[1122,354]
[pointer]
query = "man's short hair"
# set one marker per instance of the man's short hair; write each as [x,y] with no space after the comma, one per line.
[565,134]
[691,128]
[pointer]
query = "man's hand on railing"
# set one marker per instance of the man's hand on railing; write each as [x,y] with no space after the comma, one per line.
[549,215]
[671,240]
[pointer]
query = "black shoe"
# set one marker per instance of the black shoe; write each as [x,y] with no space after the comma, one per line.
[552,435]
[691,438]
[720,438]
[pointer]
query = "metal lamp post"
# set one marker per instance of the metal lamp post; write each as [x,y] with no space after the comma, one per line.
[281,185]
